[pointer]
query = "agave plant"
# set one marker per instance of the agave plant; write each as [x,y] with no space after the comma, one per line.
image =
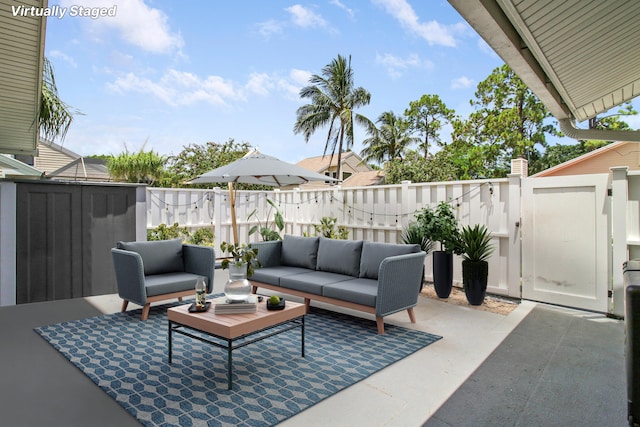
[413,234]
[476,243]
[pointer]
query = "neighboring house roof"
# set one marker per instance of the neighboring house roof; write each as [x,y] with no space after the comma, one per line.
[52,156]
[10,167]
[83,169]
[599,161]
[363,179]
[321,164]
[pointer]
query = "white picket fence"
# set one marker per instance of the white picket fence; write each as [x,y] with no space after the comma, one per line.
[376,213]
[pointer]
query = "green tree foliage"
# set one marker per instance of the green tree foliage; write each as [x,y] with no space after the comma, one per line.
[509,117]
[195,160]
[55,116]
[389,141]
[426,116]
[201,236]
[141,167]
[416,168]
[333,101]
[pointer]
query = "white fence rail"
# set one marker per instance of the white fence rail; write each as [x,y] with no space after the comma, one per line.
[370,213]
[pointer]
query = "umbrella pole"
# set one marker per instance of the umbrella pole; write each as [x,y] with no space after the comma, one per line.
[234,224]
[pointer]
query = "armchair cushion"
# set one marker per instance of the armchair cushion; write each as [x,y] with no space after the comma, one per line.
[373,254]
[158,256]
[299,251]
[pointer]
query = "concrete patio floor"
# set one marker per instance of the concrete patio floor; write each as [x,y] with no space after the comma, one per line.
[40,387]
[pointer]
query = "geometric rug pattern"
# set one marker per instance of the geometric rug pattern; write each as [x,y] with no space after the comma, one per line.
[127,358]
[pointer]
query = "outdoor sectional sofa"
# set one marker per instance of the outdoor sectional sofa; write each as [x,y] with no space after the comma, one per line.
[158,270]
[377,278]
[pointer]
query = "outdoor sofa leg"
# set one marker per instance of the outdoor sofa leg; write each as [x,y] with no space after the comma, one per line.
[307,304]
[125,303]
[380,323]
[179,299]
[412,315]
[145,311]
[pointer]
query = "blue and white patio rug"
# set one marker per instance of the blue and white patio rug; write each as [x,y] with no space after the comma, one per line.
[127,358]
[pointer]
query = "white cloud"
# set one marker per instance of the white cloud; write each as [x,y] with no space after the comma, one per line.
[461,83]
[136,23]
[66,58]
[270,27]
[396,66]
[343,7]
[433,32]
[305,18]
[177,88]
[260,84]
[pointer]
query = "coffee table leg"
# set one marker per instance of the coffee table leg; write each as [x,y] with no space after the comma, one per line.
[169,340]
[302,336]
[230,361]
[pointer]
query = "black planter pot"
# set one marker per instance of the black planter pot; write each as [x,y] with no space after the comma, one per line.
[474,280]
[442,273]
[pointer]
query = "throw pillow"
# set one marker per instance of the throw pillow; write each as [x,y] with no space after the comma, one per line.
[339,256]
[299,251]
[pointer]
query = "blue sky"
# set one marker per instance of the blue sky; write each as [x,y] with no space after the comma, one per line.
[176,73]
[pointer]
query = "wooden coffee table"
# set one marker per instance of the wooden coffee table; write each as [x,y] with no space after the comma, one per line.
[232,331]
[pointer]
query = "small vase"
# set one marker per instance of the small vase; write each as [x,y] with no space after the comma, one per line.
[237,287]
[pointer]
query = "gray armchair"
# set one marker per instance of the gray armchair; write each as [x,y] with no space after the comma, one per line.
[153,271]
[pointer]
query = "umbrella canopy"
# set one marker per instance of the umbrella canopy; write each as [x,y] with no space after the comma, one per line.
[258,168]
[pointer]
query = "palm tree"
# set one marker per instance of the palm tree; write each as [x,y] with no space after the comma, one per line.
[55,116]
[390,141]
[333,101]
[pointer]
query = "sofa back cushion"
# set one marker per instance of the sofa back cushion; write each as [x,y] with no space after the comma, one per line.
[158,256]
[339,256]
[373,254]
[299,251]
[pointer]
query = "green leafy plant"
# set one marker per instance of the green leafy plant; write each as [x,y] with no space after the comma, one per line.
[266,231]
[241,253]
[440,224]
[476,243]
[328,229]
[202,236]
[164,232]
[414,235]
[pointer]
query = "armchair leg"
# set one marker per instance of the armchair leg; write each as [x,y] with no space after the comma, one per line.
[380,323]
[145,311]
[179,299]
[125,303]
[412,315]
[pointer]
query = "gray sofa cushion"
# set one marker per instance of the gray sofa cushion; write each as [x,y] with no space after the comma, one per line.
[272,275]
[312,282]
[339,256]
[358,291]
[373,254]
[161,284]
[158,256]
[299,251]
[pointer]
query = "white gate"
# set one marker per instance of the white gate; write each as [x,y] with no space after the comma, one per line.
[566,237]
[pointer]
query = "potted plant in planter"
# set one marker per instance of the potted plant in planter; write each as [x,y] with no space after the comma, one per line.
[477,248]
[241,264]
[440,224]
[413,234]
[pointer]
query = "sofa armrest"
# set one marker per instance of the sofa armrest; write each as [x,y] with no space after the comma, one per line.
[269,252]
[399,282]
[200,260]
[129,273]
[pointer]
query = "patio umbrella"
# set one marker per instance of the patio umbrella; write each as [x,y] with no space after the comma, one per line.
[258,168]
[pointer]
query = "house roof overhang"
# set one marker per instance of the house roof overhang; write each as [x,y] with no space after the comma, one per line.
[580,57]
[21,59]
